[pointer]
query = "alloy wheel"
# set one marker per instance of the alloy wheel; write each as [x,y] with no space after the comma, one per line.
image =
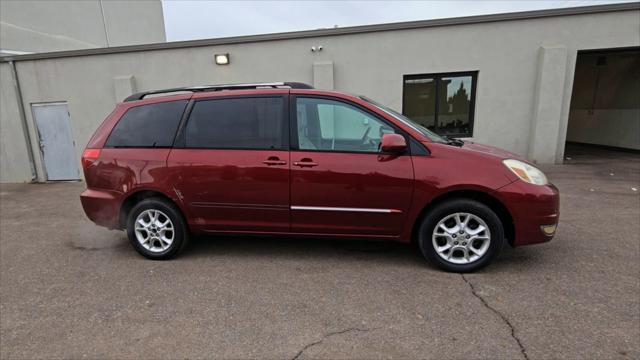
[154,230]
[461,238]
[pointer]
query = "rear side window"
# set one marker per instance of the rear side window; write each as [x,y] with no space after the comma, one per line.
[237,123]
[152,125]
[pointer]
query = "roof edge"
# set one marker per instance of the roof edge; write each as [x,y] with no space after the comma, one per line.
[475,19]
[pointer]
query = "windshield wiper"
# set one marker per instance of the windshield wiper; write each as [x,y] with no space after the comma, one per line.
[454,142]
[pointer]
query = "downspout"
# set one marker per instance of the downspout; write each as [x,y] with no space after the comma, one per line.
[23,120]
[104,23]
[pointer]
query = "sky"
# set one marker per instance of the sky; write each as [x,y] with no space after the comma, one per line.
[190,20]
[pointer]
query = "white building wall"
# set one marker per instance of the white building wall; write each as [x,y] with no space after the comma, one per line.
[45,26]
[505,53]
[14,159]
[134,22]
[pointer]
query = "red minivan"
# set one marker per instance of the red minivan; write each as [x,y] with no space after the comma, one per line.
[286,159]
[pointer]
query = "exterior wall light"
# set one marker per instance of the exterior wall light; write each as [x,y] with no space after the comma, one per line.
[222,59]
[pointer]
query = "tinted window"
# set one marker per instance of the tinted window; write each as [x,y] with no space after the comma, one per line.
[333,125]
[441,103]
[148,125]
[239,123]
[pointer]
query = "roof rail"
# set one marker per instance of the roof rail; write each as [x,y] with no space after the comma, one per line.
[203,88]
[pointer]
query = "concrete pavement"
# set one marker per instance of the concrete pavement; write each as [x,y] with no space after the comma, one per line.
[69,289]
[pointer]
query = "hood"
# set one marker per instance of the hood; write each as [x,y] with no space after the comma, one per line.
[491,150]
[485,159]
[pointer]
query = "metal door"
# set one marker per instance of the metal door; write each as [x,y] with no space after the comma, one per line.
[56,141]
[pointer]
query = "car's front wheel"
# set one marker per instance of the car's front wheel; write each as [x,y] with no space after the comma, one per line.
[156,229]
[461,235]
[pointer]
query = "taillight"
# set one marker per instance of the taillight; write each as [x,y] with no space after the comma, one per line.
[89,156]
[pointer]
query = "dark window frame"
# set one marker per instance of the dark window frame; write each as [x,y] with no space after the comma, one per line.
[437,77]
[181,140]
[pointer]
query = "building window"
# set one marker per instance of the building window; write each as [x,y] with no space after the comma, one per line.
[443,103]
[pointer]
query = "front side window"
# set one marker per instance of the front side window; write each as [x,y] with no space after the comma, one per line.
[330,125]
[412,124]
[443,103]
[237,123]
[152,125]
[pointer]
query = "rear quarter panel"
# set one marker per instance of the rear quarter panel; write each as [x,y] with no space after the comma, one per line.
[123,172]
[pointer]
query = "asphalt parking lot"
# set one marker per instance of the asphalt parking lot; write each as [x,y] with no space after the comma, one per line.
[69,289]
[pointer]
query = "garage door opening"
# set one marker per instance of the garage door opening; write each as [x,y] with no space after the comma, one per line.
[605,103]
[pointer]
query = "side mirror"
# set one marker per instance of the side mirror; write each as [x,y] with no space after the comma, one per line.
[393,143]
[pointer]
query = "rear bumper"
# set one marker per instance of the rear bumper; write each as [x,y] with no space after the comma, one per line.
[102,207]
[534,209]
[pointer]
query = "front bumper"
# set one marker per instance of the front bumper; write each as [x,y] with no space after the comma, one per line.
[535,211]
[102,207]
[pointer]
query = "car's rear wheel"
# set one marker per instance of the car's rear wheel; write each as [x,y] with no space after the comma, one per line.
[156,229]
[461,235]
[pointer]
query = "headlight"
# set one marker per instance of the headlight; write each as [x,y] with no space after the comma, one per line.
[526,172]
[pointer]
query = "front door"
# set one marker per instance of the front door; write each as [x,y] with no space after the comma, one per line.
[340,182]
[56,141]
[230,164]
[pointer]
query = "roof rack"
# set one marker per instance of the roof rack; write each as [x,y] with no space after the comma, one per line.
[203,88]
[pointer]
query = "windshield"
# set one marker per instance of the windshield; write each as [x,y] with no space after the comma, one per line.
[414,125]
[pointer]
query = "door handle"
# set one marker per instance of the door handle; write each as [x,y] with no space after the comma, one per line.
[274,160]
[306,162]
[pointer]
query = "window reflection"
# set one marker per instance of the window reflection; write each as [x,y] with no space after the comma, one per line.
[441,103]
[420,105]
[455,101]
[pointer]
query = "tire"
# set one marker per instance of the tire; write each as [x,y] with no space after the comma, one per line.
[158,246]
[469,250]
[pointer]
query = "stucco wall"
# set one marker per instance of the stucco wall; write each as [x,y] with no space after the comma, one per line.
[506,54]
[134,22]
[42,26]
[14,161]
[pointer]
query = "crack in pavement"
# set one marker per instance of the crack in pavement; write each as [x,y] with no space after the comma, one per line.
[328,335]
[523,351]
